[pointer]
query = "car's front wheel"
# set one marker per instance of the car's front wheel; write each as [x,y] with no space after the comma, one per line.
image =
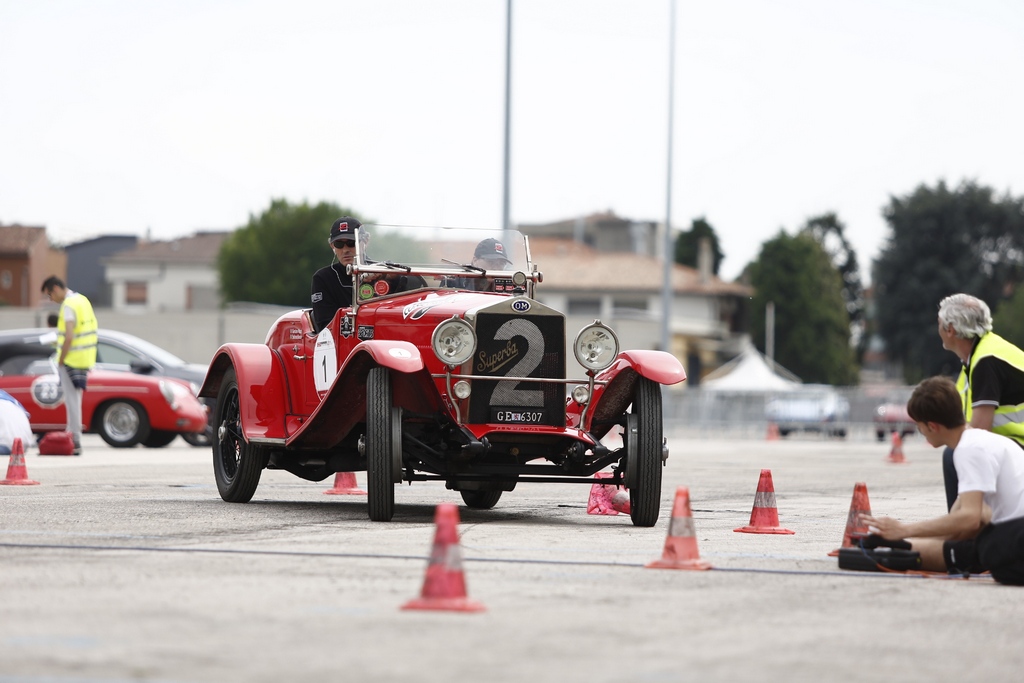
[237,464]
[383,445]
[122,424]
[645,493]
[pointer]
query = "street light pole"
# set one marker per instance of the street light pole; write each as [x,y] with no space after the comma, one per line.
[666,285]
[508,108]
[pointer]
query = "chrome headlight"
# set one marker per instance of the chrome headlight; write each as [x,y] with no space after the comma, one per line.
[581,394]
[453,341]
[167,389]
[596,346]
[462,389]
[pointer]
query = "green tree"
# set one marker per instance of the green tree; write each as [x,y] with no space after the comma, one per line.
[830,233]
[1008,319]
[942,241]
[688,245]
[272,259]
[812,326]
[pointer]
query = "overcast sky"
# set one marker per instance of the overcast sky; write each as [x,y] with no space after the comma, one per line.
[119,116]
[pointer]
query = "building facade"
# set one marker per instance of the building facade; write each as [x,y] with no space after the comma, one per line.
[26,259]
[174,275]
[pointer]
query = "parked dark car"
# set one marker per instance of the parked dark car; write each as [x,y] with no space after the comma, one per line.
[122,352]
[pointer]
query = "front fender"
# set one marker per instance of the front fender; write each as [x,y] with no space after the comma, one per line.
[262,400]
[344,405]
[611,399]
[400,356]
[657,366]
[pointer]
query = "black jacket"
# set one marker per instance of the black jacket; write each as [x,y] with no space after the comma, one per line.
[331,290]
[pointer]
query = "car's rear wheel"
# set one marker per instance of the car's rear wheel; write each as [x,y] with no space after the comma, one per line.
[122,424]
[481,500]
[383,443]
[237,464]
[158,438]
[645,494]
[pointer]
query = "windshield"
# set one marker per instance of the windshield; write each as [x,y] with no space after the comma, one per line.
[393,260]
[443,247]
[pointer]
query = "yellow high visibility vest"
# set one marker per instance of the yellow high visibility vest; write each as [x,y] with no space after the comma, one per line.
[1009,419]
[82,354]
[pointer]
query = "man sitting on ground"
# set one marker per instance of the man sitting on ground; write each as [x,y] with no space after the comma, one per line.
[984,530]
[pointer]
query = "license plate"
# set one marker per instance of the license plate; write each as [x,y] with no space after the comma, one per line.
[513,416]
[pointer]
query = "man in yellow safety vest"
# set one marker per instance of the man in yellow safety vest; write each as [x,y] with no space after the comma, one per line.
[991,382]
[76,349]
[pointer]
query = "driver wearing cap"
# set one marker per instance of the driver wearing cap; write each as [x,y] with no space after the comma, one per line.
[332,285]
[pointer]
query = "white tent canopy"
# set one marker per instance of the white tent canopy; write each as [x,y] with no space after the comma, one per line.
[750,371]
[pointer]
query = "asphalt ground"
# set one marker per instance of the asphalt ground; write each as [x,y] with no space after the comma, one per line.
[125,565]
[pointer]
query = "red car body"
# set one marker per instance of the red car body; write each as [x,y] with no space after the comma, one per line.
[371,391]
[893,417]
[123,408]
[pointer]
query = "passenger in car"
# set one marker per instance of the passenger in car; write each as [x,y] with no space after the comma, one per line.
[489,254]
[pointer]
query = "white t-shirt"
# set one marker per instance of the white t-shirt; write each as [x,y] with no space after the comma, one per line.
[994,465]
[69,313]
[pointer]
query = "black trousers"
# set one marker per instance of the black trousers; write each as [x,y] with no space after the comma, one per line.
[999,549]
[949,478]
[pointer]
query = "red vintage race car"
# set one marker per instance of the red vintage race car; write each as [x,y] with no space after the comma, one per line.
[125,409]
[440,371]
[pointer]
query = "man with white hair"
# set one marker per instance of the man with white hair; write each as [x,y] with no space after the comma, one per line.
[991,382]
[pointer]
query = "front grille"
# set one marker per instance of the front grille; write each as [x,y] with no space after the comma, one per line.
[510,344]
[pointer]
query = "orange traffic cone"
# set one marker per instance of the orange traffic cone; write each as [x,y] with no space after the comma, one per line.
[764,518]
[17,473]
[681,543]
[773,432]
[607,499]
[896,452]
[444,587]
[345,485]
[858,506]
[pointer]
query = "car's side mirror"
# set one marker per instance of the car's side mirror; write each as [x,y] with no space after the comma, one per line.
[141,367]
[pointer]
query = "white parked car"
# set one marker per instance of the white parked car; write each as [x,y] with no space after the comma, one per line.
[816,408]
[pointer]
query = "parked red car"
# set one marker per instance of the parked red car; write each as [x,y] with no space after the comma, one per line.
[893,417]
[125,409]
[440,371]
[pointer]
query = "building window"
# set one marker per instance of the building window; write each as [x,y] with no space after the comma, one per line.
[135,292]
[6,279]
[585,306]
[630,305]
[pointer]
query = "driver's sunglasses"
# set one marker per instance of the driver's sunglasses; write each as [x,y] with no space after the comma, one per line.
[340,244]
